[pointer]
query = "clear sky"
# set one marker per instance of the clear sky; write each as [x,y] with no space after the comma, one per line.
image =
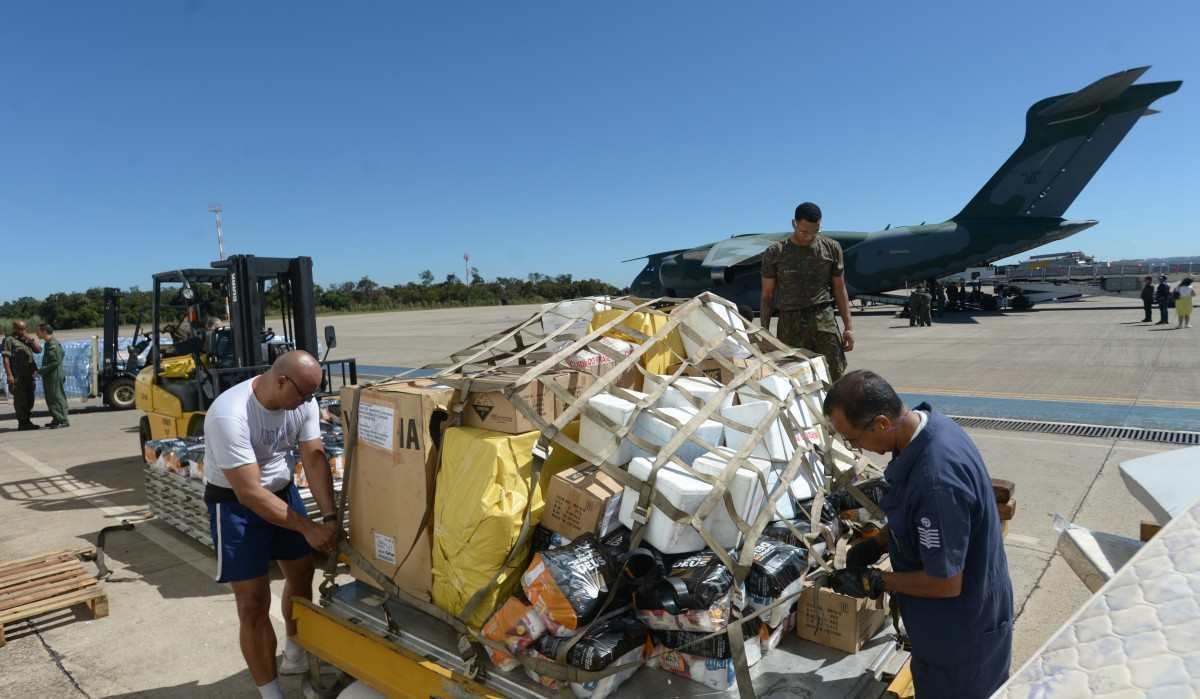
[386,138]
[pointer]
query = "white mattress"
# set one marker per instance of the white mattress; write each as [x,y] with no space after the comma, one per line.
[1139,636]
[1165,483]
[1095,556]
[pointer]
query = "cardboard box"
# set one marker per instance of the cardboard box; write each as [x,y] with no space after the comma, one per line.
[838,621]
[392,482]
[713,369]
[582,500]
[491,409]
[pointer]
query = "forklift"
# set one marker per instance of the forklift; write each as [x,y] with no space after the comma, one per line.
[116,378]
[206,356]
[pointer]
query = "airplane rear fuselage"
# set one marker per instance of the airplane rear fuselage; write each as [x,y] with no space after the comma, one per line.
[891,259]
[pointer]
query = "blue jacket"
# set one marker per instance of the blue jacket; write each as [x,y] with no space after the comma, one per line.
[943,519]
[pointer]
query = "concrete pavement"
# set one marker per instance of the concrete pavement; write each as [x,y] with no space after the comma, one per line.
[172,630]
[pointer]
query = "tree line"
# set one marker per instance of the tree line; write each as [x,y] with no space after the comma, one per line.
[85,309]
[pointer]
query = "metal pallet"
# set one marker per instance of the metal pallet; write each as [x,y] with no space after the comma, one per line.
[179,501]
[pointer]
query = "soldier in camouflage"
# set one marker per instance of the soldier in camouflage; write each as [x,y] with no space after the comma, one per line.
[802,279]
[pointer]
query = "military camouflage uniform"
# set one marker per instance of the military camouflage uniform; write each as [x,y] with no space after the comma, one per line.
[919,305]
[804,296]
[20,357]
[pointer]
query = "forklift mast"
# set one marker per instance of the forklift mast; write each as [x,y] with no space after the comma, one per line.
[112,323]
[247,292]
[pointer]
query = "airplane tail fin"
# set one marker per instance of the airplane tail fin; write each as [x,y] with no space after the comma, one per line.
[1067,139]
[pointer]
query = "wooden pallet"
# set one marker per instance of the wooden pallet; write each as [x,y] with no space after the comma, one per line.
[46,583]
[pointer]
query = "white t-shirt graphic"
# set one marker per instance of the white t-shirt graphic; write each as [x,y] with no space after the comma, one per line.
[238,430]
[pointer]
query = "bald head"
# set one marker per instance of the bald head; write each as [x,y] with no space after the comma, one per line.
[290,382]
[298,364]
[18,327]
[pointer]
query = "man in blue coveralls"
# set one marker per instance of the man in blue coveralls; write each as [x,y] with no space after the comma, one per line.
[943,535]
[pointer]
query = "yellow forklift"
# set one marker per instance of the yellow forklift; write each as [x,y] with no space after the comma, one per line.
[207,355]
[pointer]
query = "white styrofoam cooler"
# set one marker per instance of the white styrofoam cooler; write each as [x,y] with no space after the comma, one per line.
[686,493]
[597,438]
[775,444]
[657,431]
[702,388]
[704,326]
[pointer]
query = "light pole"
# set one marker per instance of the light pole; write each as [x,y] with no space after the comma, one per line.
[216,209]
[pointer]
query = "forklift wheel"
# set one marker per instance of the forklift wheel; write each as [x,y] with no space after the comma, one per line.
[120,393]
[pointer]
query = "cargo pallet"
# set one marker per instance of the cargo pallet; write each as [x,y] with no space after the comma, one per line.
[45,583]
[179,501]
[403,652]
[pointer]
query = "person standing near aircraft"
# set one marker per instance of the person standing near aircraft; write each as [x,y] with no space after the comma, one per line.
[1148,299]
[1184,293]
[1162,295]
[805,272]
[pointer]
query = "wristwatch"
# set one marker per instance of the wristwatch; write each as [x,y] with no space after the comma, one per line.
[328,518]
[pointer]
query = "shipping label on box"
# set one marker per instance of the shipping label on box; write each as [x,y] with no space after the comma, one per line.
[838,621]
[582,500]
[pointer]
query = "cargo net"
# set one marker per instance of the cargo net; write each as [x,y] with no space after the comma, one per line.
[715,430]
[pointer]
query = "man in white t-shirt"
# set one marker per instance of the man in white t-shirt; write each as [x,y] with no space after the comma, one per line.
[255,509]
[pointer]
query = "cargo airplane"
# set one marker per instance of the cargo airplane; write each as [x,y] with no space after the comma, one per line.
[1067,138]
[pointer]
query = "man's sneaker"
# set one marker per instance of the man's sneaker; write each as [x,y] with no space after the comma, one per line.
[288,666]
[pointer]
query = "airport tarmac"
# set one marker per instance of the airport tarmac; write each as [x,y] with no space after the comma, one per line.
[172,630]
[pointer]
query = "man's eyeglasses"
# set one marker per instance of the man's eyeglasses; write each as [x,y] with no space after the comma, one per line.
[304,397]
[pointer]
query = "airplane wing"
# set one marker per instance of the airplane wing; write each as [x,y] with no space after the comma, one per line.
[742,248]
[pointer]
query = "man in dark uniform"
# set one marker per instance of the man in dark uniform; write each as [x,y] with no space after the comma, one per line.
[1162,295]
[943,536]
[53,379]
[1148,299]
[805,273]
[18,350]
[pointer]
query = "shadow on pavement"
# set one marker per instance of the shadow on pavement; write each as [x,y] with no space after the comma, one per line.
[46,622]
[239,685]
[133,557]
[117,481]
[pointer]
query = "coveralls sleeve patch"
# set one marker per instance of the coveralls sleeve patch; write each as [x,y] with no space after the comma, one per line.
[943,528]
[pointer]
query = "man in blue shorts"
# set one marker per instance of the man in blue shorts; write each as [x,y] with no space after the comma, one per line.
[254,508]
[950,572]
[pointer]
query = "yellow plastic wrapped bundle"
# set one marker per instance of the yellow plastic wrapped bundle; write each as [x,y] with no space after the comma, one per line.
[663,355]
[479,505]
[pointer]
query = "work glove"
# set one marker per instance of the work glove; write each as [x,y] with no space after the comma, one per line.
[867,582]
[864,553]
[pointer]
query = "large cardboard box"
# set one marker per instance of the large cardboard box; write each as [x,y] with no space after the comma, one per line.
[491,409]
[582,500]
[838,621]
[715,370]
[392,482]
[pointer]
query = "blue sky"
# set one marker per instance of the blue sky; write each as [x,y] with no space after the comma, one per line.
[387,138]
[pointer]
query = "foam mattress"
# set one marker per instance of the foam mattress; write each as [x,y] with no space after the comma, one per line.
[1139,635]
[1165,483]
[1095,556]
